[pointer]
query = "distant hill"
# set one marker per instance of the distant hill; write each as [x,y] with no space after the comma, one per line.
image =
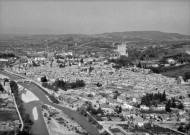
[89,43]
[149,35]
[115,36]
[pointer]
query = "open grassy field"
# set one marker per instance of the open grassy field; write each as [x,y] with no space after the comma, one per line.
[7,115]
[177,72]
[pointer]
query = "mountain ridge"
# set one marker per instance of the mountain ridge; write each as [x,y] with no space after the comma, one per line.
[126,35]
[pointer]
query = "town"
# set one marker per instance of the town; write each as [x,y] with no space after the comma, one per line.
[116,94]
[94,67]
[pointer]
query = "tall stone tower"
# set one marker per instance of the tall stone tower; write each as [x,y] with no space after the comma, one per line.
[121,49]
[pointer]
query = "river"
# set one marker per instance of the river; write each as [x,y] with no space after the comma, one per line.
[39,127]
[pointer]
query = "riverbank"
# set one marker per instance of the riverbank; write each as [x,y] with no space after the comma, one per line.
[59,123]
[51,95]
[28,96]
[40,124]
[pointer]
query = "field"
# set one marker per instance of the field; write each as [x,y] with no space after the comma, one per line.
[177,72]
[7,115]
[146,129]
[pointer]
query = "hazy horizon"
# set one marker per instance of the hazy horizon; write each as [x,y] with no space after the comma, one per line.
[93,17]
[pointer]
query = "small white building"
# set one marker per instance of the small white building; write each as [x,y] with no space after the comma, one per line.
[139,121]
[134,100]
[106,109]
[4,95]
[121,99]
[161,106]
[171,61]
[127,106]
[37,57]
[186,103]
[103,100]
[144,107]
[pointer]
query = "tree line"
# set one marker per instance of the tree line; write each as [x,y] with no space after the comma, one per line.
[25,117]
[6,55]
[64,85]
[184,128]
[153,99]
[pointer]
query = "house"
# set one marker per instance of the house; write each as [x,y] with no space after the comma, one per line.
[180,80]
[182,119]
[155,65]
[121,99]
[113,95]
[161,107]
[170,61]
[126,106]
[3,62]
[106,108]
[111,102]
[108,91]
[139,121]
[144,107]
[181,112]
[37,57]
[166,65]
[186,103]
[7,87]
[103,100]
[3,77]
[10,105]
[134,100]
[4,95]
[126,114]
[164,117]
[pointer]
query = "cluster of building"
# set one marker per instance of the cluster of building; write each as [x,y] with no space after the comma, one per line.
[108,88]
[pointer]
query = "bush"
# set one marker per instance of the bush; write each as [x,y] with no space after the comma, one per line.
[186,76]
[44,79]
[51,97]
[50,87]
[6,55]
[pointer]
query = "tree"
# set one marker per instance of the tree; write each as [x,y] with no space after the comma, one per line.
[181,128]
[173,104]
[23,133]
[44,79]
[6,80]
[14,87]
[181,106]
[139,65]
[164,96]
[186,76]
[120,109]
[168,106]
[99,110]
[98,84]
[81,60]
[1,88]
[89,95]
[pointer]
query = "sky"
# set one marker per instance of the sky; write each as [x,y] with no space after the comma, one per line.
[93,16]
